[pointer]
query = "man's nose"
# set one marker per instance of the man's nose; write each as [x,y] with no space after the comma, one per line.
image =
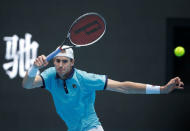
[60,64]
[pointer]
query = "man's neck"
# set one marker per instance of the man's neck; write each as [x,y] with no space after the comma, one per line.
[67,75]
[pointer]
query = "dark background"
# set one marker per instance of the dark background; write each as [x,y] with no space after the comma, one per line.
[134,48]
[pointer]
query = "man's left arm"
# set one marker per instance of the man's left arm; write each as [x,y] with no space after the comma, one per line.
[128,87]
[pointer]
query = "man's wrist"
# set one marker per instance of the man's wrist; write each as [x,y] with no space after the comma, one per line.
[163,90]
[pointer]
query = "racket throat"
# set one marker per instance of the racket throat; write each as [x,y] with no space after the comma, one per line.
[65,42]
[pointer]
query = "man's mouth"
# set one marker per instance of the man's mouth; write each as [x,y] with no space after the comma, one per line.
[60,70]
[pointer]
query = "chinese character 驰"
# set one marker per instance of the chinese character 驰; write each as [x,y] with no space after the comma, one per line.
[20,53]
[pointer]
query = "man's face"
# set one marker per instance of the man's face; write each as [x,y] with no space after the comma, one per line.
[63,65]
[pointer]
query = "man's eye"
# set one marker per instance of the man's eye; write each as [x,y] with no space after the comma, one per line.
[64,61]
[57,60]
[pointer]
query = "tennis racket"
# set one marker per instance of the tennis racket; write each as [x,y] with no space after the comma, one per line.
[85,31]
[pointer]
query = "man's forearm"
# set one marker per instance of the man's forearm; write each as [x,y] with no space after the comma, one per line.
[128,87]
[139,88]
[133,88]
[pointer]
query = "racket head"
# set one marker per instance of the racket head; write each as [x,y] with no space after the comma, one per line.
[87,29]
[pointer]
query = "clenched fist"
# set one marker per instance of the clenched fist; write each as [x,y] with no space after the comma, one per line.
[40,61]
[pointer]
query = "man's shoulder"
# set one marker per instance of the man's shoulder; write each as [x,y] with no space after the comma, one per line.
[50,69]
[80,72]
[84,74]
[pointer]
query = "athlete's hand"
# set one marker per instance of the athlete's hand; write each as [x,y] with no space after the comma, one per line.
[40,62]
[173,84]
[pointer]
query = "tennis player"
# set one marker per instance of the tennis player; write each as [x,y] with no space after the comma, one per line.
[74,90]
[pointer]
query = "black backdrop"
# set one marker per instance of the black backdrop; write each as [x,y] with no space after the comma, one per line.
[133,49]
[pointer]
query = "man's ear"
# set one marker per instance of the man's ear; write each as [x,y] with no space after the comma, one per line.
[72,62]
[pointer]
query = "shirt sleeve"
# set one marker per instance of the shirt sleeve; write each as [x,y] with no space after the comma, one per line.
[47,78]
[95,81]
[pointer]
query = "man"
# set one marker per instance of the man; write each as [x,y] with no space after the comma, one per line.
[73,90]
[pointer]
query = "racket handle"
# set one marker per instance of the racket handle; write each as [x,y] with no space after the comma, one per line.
[53,54]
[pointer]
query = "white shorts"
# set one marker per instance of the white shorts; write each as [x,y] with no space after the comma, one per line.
[98,128]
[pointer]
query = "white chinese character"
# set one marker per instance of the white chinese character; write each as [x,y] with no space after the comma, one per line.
[22,52]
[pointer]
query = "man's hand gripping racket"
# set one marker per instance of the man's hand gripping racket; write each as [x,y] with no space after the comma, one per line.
[85,30]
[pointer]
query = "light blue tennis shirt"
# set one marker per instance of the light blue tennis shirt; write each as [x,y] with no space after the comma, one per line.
[74,97]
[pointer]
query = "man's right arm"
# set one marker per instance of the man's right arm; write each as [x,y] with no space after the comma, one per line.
[31,79]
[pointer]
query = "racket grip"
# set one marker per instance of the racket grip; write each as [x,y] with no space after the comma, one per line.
[53,54]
